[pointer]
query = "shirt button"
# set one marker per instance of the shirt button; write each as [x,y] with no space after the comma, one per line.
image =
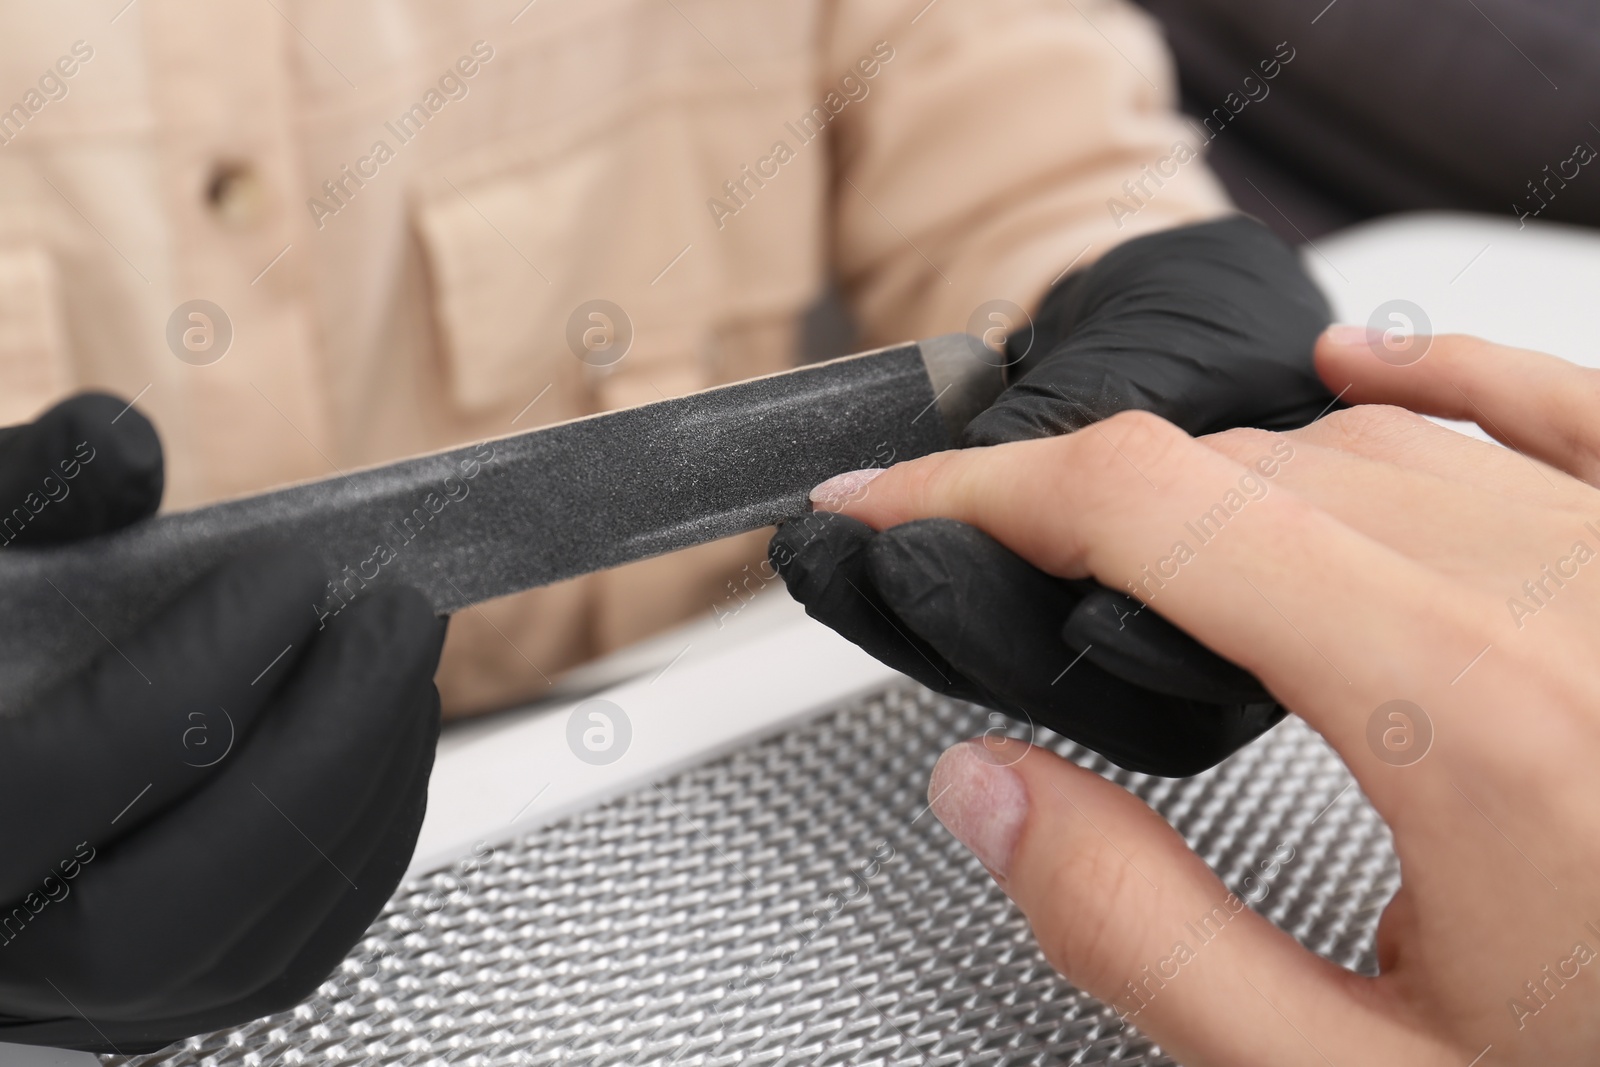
[235,194]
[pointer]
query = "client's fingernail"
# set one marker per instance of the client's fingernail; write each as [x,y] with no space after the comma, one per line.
[981,801]
[838,491]
[1347,336]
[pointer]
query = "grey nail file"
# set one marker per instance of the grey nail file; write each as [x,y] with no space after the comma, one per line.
[515,512]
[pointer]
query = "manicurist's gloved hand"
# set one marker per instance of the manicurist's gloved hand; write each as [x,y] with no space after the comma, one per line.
[1211,326]
[195,831]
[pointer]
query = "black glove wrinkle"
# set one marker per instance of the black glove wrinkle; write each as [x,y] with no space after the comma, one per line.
[1125,638]
[308,772]
[964,593]
[822,559]
[275,837]
[393,832]
[148,720]
[996,619]
[289,923]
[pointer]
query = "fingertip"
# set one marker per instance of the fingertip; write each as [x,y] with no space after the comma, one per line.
[243,606]
[1337,355]
[371,661]
[931,485]
[981,800]
[842,490]
[1343,336]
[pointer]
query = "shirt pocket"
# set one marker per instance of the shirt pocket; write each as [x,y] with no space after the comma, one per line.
[568,269]
[34,370]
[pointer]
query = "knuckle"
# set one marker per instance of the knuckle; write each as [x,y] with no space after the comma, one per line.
[1366,422]
[1243,443]
[932,480]
[1573,421]
[1140,437]
[1084,935]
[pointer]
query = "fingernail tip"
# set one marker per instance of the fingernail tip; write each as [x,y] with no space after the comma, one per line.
[1347,334]
[843,489]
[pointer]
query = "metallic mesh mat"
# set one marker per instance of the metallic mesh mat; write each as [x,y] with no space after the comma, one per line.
[703,920]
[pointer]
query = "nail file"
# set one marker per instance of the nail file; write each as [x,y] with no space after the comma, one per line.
[508,514]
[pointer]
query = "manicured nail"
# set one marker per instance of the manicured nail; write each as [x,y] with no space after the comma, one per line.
[981,800]
[1346,336]
[840,490]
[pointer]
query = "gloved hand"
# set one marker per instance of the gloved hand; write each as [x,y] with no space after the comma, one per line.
[198,828]
[1210,326]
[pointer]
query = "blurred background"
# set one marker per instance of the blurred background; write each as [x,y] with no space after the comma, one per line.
[1396,105]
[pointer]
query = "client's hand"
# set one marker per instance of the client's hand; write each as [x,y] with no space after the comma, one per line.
[1428,603]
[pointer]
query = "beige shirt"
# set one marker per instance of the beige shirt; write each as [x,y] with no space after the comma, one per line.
[399,205]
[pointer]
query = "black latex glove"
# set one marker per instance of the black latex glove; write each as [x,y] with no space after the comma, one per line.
[1211,326]
[201,826]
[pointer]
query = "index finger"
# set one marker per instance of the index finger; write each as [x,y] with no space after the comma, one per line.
[1334,623]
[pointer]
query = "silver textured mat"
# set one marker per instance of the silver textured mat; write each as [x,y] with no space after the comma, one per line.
[698,921]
